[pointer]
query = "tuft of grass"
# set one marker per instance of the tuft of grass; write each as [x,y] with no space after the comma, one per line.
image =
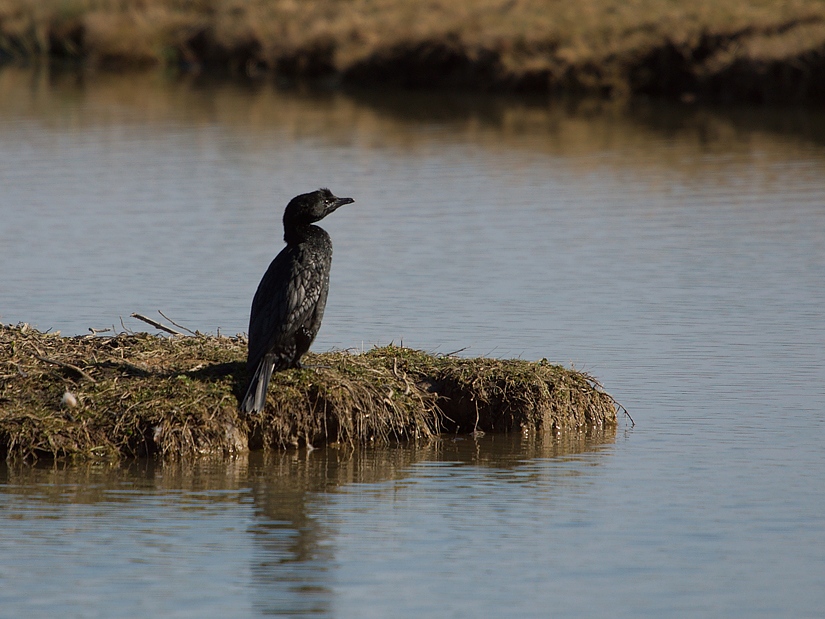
[138,394]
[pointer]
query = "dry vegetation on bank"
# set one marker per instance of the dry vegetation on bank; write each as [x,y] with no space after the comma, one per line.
[751,50]
[139,394]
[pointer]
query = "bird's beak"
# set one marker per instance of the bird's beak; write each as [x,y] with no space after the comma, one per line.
[339,202]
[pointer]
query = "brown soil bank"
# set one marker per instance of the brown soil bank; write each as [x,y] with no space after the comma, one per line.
[745,50]
[139,394]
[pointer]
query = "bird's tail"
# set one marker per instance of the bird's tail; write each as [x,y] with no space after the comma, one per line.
[255,398]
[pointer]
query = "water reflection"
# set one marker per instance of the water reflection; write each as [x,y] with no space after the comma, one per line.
[271,521]
[676,136]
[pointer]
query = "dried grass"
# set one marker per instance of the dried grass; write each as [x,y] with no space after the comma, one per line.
[605,47]
[139,394]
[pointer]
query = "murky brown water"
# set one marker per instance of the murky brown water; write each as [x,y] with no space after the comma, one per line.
[676,253]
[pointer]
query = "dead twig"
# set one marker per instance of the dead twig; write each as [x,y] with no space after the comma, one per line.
[156,324]
[195,333]
[68,366]
[125,328]
[623,410]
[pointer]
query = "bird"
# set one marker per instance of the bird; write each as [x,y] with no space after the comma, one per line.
[289,303]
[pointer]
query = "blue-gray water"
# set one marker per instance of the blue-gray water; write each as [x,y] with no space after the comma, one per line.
[677,254]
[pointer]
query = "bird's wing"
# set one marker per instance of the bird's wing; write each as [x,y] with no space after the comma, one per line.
[286,297]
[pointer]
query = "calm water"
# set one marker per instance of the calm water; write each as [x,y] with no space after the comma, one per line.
[677,254]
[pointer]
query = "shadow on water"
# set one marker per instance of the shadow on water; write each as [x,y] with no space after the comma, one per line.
[706,123]
[292,547]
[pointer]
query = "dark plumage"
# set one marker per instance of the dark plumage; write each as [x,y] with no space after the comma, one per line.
[290,300]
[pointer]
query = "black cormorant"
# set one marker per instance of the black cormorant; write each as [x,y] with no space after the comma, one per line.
[290,300]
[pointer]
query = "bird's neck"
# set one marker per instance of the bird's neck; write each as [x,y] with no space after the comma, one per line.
[298,234]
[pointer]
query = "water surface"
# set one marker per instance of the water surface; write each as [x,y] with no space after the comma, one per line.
[676,253]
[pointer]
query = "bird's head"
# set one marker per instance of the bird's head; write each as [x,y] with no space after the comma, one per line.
[311,207]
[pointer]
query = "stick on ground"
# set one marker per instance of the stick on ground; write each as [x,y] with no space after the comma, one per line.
[156,324]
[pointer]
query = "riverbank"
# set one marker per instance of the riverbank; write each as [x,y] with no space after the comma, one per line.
[139,394]
[752,51]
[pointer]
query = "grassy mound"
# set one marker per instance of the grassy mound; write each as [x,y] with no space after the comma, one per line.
[751,50]
[139,394]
